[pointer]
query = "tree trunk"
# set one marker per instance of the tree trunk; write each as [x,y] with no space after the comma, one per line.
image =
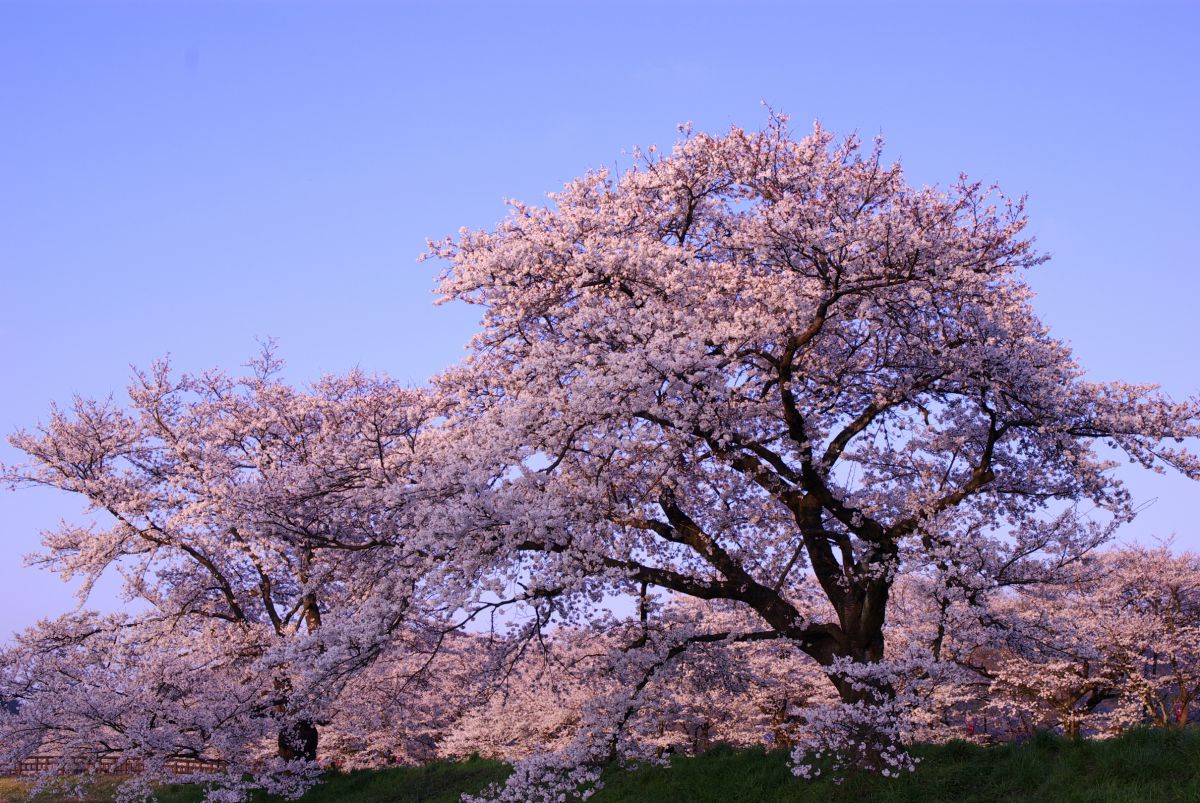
[861,616]
[298,741]
[873,740]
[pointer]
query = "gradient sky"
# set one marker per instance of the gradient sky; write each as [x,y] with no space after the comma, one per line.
[186,177]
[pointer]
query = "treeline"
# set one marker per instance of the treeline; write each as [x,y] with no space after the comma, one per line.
[1114,648]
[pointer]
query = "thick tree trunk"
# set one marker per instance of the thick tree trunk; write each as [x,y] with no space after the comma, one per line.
[873,741]
[298,741]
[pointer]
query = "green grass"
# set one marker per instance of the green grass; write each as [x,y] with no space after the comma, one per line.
[13,789]
[1141,766]
[443,782]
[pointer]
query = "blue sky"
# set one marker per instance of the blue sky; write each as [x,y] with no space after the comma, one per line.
[186,177]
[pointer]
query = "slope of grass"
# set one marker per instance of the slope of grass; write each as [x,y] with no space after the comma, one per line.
[1155,766]
[13,789]
[443,782]
[1141,766]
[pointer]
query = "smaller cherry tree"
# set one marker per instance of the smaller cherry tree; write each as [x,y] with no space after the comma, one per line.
[1052,672]
[1118,648]
[412,704]
[1151,630]
[276,541]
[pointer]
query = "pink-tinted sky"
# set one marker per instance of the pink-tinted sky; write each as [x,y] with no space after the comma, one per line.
[186,177]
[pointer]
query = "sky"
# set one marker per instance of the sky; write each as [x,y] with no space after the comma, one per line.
[185,178]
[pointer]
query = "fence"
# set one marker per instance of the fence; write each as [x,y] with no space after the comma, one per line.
[35,765]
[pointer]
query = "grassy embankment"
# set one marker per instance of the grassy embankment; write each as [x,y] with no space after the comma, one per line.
[1141,766]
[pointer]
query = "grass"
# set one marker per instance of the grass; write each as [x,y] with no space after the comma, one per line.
[13,789]
[443,782]
[1153,766]
[1141,766]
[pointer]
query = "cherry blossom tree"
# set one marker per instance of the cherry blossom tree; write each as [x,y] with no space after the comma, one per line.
[728,692]
[1118,648]
[1048,668]
[1151,630]
[428,697]
[760,358]
[272,544]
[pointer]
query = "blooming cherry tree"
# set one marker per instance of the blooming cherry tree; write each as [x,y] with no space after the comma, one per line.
[1151,630]
[760,358]
[275,543]
[1118,648]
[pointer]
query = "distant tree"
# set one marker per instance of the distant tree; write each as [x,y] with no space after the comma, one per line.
[1150,630]
[1119,648]
[736,693]
[759,358]
[407,706]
